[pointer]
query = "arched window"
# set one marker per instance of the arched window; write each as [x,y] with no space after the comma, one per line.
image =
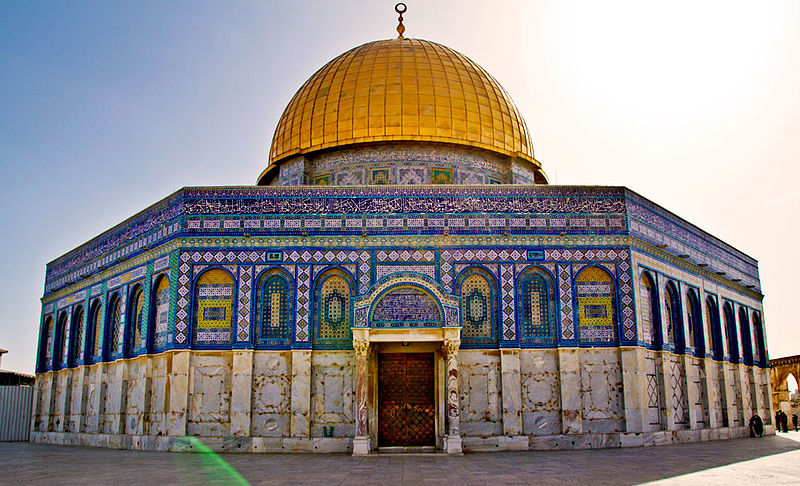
[695,323]
[213,304]
[760,355]
[136,325]
[651,328]
[62,346]
[114,327]
[672,318]
[478,308]
[597,319]
[747,343]
[332,311]
[96,331]
[159,312]
[730,332]
[46,359]
[273,308]
[76,350]
[537,312]
[714,332]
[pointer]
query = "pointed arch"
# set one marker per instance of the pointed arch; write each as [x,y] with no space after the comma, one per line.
[46,344]
[672,318]
[536,314]
[714,330]
[214,292]
[62,342]
[113,329]
[651,325]
[273,308]
[596,310]
[694,318]
[333,310]
[478,290]
[760,354]
[76,352]
[159,314]
[94,347]
[747,342]
[730,332]
[135,327]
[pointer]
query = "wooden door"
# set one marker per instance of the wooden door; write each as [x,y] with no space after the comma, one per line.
[406,411]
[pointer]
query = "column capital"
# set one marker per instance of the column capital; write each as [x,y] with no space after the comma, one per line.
[451,346]
[361,347]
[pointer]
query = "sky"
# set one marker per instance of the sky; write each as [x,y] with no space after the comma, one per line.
[107,107]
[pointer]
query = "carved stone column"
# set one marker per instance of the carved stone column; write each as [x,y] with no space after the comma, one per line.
[361,442]
[453,439]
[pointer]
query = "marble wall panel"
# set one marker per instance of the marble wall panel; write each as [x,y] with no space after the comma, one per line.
[541,392]
[601,390]
[481,394]
[332,393]
[271,398]
[210,390]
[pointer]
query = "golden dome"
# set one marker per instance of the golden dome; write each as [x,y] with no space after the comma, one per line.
[400,89]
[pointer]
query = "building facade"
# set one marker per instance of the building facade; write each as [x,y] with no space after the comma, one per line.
[402,276]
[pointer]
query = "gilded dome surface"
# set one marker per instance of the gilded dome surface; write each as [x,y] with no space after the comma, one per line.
[400,90]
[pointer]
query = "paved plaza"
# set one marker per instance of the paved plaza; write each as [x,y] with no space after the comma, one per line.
[770,460]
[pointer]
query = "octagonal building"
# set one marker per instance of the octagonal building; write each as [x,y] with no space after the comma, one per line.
[402,275]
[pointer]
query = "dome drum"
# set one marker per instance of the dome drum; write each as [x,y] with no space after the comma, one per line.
[403,163]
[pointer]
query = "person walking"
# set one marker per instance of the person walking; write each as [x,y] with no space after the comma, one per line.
[756,426]
[794,421]
[784,422]
[778,420]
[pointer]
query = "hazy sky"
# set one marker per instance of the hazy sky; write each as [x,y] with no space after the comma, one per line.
[107,107]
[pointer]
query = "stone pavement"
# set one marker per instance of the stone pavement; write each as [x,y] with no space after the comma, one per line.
[773,460]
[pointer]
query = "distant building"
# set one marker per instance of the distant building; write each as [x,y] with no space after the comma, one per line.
[12,378]
[402,275]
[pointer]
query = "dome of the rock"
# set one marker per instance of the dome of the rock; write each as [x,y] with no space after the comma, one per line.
[401,90]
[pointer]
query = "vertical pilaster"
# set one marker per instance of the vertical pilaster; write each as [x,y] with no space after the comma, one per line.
[61,379]
[730,392]
[512,392]
[453,443]
[361,442]
[301,393]
[714,400]
[634,386]
[241,393]
[692,392]
[96,398]
[665,368]
[78,405]
[178,380]
[570,378]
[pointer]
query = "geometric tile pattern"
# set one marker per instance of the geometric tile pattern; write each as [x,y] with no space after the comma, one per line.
[507,301]
[245,291]
[333,315]
[198,257]
[273,308]
[536,305]
[565,293]
[478,309]
[303,302]
[596,307]
[213,303]
[626,298]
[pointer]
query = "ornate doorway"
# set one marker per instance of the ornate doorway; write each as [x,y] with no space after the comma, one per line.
[406,410]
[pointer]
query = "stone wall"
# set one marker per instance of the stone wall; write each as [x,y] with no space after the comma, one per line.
[303,401]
